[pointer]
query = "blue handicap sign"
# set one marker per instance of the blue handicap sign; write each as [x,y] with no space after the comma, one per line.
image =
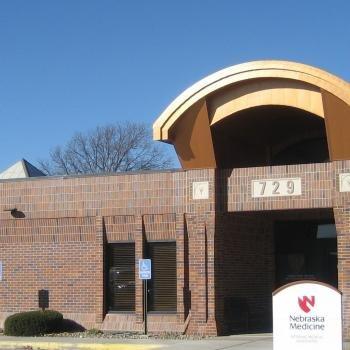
[145,266]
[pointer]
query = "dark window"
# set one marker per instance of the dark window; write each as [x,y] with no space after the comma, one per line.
[162,286]
[121,277]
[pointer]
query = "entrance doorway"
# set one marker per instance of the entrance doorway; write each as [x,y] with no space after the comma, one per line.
[305,250]
[261,251]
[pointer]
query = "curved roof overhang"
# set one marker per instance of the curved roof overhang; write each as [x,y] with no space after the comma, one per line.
[186,122]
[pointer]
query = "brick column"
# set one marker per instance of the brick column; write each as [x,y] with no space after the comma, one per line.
[342,220]
[139,251]
[99,272]
[219,273]
[180,266]
[211,327]
[201,229]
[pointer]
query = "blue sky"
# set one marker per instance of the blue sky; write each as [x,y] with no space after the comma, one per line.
[70,65]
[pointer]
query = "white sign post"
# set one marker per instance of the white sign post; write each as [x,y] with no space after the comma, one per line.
[307,316]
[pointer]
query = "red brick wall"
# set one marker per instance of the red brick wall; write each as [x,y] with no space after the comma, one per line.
[68,214]
[63,256]
[120,194]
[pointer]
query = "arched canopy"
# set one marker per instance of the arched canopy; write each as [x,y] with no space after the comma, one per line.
[190,119]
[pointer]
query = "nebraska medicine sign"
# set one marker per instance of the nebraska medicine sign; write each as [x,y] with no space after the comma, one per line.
[307,316]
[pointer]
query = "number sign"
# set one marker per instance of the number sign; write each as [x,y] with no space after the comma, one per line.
[276,187]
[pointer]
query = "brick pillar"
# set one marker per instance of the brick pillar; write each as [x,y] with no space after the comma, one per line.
[219,273]
[180,267]
[211,327]
[139,253]
[342,221]
[99,272]
[200,224]
[201,229]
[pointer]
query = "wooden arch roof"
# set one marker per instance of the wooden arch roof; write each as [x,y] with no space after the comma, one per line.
[188,120]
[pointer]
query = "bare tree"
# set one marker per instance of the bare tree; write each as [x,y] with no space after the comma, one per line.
[106,149]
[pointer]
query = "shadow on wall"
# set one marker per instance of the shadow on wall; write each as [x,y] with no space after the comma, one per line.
[71,326]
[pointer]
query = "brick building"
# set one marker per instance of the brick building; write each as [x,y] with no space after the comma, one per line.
[263,199]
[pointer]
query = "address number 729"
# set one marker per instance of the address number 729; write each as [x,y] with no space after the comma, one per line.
[276,187]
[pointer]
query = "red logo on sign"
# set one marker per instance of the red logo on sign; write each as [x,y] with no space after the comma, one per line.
[306,303]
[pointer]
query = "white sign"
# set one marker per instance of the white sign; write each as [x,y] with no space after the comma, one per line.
[145,272]
[276,187]
[307,316]
[200,190]
[344,182]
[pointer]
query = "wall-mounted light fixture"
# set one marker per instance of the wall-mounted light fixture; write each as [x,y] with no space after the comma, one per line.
[15,212]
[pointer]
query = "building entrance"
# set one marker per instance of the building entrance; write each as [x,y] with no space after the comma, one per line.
[261,251]
[305,250]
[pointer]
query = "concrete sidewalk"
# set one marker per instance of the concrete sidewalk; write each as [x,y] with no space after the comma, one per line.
[237,342]
[244,342]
